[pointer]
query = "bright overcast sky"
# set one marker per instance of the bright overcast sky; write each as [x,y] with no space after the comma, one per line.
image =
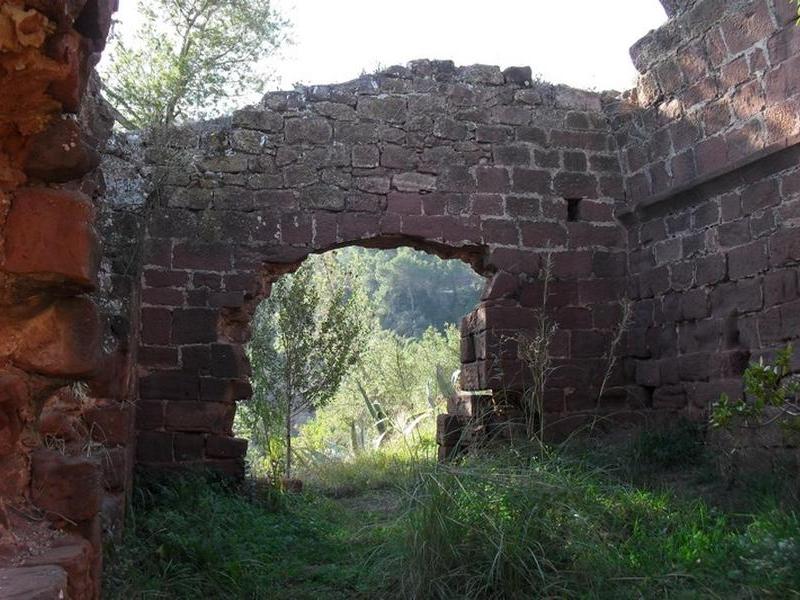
[583,43]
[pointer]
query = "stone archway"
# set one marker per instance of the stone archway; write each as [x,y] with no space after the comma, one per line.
[466,162]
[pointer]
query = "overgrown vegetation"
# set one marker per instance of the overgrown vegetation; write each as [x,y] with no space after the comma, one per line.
[503,525]
[194,537]
[344,377]
[767,386]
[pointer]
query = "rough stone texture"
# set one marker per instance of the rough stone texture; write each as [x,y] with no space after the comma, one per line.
[710,159]
[34,583]
[464,162]
[55,347]
[682,195]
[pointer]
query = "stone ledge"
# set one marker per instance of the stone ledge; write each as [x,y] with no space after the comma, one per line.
[644,204]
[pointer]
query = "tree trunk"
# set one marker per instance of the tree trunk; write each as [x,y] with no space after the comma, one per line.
[289,444]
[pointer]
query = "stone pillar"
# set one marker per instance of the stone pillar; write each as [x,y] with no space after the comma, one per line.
[51,332]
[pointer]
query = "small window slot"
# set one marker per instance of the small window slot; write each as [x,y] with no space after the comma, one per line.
[573,209]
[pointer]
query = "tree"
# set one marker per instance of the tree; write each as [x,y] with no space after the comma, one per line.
[189,58]
[306,335]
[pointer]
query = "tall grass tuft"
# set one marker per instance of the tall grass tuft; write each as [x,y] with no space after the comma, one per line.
[549,527]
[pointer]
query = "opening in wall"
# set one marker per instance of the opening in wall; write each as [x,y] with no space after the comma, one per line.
[573,209]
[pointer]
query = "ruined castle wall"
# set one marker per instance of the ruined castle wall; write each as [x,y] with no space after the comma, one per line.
[64,458]
[470,163]
[711,166]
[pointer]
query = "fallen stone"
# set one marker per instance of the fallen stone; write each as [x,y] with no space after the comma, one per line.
[33,583]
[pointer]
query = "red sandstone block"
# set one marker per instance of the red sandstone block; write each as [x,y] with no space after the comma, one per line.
[782,82]
[782,120]
[44,582]
[743,29]
[75,557]
[63,340]
[188,446]
[158,356]
[204,257]
[748,260]
[670,397]
[209,417]
[711,155]
[162,297]
[296,229]
[211,281]
[514,260]
[169,385]
[404,203]
[575,185]
[434,204]
[156,326]
[219,446]
[72,51]
[589,344]
[694,367]
[226,299]
[500,231]
[194,325]
[149,415]
[156,278]
[426,227]
[66,486]
[244,282]
[110,422]
[224,390]
[358,226]
[498,317]
[741,296]
[542,234]
[487,205]
[583,140]
[60,153]
[154,447]
[49,235]
[461,230]
[467,349]
[526,208]
[780,287]
[492,179]
[531,181]
[501,285]
[572,264]
[784,248]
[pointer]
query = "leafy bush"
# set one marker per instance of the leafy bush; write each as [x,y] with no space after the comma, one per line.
[765,386]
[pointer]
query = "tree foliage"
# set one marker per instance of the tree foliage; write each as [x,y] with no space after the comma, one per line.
[190,58]
[413,291]
[365,338]
[303,343]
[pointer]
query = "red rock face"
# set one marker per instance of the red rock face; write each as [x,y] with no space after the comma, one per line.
[50,331]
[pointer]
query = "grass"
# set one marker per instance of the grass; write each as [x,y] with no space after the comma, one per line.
[504,525]
[511,527]
[195,538]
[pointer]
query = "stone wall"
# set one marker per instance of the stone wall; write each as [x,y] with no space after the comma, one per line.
[682,195]
[64,465]
[470,163]
[710,159]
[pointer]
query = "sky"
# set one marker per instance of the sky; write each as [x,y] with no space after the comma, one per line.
[583,43]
